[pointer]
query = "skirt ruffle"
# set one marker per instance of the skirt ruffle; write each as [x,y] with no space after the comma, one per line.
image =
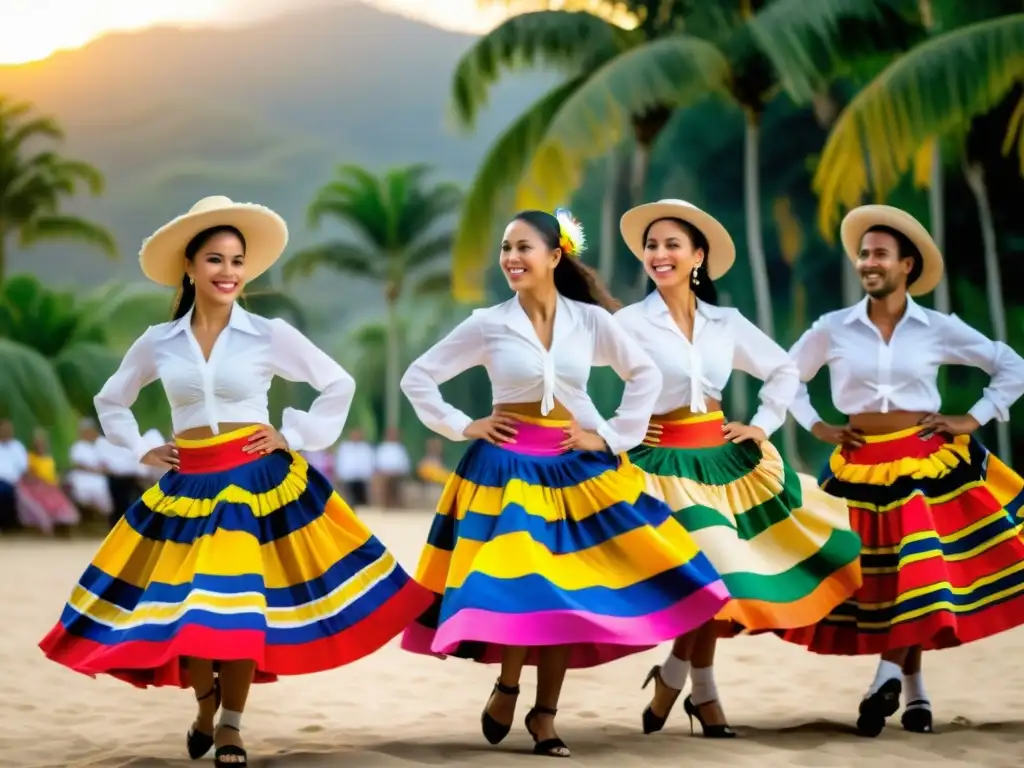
[258,561]
[566,549]
[783,547]
[942,557]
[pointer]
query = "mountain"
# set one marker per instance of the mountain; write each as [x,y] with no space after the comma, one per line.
[260,113]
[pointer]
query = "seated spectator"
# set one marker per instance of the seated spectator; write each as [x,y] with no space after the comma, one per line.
[87,479]
[40,497]
[353,468]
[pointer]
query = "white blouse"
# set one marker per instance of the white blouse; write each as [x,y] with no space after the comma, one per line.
[723,341]
[502,339]
[870,376]
[231,386]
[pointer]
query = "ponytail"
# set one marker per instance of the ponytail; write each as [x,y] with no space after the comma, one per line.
[573,279]
[186,297]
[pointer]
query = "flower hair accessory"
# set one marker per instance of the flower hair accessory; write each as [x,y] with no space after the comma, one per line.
[571,239]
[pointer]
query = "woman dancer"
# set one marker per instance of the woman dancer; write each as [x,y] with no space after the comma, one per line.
[784,549]
[937,513]
[241,564]
[545,550]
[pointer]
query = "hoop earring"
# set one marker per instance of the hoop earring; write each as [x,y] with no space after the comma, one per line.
[694,276]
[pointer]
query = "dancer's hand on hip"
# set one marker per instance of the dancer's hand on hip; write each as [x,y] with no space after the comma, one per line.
[266,440]
[845,435]
[736,432]
[579,439]
[950,425]
[496,429]
[162,457]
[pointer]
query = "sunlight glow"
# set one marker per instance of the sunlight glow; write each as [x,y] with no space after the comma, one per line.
[31,30]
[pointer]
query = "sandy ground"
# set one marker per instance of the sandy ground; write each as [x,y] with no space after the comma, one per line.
[791,708]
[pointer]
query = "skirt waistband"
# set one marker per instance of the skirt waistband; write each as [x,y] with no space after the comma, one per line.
[698,431]
[538,437]
[216,454]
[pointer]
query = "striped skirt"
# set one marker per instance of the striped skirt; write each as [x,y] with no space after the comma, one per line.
[533,546]
[942,557]
[234,557]
[783,547]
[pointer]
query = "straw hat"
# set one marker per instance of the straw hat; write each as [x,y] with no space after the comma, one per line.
[860,220]
[163,253]
[722,249]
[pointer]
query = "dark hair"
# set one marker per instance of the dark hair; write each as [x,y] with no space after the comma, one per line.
[573,279]
[905,250]
[700,282]
[186,297]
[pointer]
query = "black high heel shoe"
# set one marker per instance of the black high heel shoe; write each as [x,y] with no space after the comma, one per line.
[653,723]
[878,706]
[918,719]
[197,742]
[708,731]
[494,731]
[238,754]
[549,747]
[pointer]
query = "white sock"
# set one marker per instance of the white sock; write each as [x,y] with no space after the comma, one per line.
[887,670]
[674,672]
[230,719]
[704,689]
[914,693]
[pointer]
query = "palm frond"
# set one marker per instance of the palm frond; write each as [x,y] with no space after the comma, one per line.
[575,42]
[82,369]
[929,91]
[61,227]
[489,196]
[431,284]
[30,391]
[663,75]
[354,197]
[428,250]
[810,43]
[340,256]
[270,303]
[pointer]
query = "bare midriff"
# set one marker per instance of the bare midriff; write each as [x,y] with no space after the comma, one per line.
[885,423]
[202,433]
[532,411]
[685,412]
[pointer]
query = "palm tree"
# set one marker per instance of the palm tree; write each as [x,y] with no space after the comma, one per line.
[400,246]
[33,185]
[935,90]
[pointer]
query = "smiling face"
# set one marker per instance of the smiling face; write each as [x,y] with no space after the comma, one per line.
[879,265]
[526,260]
[218,269]
[670,255]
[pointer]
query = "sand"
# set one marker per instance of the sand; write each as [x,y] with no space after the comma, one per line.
[790,707]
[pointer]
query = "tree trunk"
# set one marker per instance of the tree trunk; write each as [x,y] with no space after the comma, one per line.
[638,181]
[393,394]
[937,215]
[3,256]
[756,254]
[975,175]
[739,405]
[614,177]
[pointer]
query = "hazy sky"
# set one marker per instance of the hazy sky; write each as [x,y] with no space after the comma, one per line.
[33,29]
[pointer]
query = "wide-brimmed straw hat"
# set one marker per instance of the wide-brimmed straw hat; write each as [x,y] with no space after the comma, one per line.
[858,221]
[163,253]
[635,221]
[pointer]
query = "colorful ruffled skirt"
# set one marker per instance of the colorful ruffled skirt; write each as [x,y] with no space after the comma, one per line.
[234,557]
[784,548]
[942,557]
[534,546]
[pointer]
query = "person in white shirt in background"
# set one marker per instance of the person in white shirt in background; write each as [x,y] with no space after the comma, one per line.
[783,547]
[13,466]
[545,549]
[234,567]
[393,467]
[124,475]
[937,513]
[86,479]
[354,465]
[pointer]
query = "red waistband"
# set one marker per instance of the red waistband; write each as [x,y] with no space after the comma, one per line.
[217,457]
[696,432]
